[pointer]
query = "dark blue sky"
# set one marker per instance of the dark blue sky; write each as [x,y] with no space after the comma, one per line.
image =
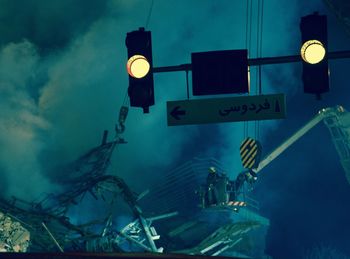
[63,80]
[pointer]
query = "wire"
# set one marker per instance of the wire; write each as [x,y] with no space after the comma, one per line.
[261,39]
[126,94]
[260,55]
[248,36]
[246,26]
[258,90]
[188,89]
[149,14]
[250,24]
[256,122]
[126,100]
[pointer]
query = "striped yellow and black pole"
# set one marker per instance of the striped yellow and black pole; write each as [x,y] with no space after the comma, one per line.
[237,203]
[250,151]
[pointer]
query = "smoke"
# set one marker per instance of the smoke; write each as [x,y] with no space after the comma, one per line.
[48,25]
[78,88]
[63,85]
[57,105]
[21,123]
[34,37]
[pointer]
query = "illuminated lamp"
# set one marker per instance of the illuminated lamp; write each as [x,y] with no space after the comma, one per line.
[138,66]
[312,51]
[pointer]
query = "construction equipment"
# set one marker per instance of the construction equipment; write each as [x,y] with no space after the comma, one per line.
[219,191]
[337,120]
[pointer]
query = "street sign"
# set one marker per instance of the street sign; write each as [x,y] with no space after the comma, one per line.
[216,110]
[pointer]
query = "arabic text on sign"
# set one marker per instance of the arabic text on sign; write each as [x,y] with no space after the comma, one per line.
[242,109]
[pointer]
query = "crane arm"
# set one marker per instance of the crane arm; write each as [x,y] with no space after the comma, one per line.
[321,115]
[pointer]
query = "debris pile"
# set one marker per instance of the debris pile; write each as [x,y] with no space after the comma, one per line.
[13,237]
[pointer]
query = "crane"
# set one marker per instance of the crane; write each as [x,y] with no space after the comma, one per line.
[337,120]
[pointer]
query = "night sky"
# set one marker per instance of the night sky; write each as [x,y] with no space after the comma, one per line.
[63,80]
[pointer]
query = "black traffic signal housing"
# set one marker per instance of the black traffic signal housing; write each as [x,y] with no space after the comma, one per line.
[141,90]
[220,72]
[315,76]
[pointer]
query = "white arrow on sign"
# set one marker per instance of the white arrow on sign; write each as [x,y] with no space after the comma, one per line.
[216,110]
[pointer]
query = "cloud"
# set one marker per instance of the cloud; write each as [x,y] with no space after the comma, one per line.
[49,25]
[21,123]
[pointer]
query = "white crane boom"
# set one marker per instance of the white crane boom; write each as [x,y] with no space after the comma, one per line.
[333,118]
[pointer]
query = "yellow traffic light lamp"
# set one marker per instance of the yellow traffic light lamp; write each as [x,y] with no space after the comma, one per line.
[138,66]
[312,51]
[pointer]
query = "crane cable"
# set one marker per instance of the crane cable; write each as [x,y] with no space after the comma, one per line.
[248,36]
[248,43]
[259,55]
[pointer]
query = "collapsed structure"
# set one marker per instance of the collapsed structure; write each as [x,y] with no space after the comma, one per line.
[47,226]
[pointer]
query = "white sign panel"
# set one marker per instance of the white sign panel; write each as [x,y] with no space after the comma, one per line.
[217,110]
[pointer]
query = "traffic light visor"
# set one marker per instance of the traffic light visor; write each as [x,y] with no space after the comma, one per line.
[312,51]
[138,66]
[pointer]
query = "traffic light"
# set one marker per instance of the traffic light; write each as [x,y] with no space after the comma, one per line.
[314,54]
[139,67]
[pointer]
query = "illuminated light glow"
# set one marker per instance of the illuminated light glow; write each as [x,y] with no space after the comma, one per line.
[313,51]
[138,66]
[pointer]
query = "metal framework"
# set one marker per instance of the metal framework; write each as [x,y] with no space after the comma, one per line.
[50,228]
[339,128]
[222,239]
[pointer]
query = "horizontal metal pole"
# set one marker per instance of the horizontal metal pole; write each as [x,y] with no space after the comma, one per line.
[257,61]
[339,54]
[273,60]
[183,67]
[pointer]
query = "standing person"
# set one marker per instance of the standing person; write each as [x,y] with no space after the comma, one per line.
[211,192]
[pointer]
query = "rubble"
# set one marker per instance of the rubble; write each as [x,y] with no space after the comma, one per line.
[13,237]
